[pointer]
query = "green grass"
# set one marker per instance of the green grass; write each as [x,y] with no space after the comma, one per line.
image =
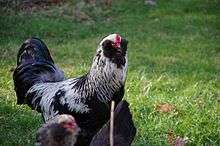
[174,57]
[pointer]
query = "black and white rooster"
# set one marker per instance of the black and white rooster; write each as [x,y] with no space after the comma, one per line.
[42,85]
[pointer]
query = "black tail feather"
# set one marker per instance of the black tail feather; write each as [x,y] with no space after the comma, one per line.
[124,124]
[34,65]
[124,129]
[35,49]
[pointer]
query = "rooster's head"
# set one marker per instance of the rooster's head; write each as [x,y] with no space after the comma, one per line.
[113,47]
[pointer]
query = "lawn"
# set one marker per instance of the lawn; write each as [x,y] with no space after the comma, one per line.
[173,83]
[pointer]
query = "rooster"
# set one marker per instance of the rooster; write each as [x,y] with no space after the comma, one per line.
[42,85]
[61,131]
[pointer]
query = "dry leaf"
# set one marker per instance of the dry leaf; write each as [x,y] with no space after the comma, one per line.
[164,108]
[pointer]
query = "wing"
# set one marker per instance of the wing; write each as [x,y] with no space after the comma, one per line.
[50,98]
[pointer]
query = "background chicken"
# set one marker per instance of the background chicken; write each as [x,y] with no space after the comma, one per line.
[124,129]
[61,131]
[41,84]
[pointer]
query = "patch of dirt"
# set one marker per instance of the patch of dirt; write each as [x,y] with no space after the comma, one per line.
[27,5]
[164,107]
[80,10]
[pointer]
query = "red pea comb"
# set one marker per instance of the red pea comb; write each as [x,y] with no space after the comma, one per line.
[117,42]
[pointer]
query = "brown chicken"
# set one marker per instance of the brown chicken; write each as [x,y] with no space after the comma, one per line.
[61,131]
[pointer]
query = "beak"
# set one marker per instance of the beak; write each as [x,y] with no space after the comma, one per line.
[116,45]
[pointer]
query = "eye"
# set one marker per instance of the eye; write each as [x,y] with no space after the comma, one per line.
[107,44]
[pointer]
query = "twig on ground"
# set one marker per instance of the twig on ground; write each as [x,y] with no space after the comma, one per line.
[111,135]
